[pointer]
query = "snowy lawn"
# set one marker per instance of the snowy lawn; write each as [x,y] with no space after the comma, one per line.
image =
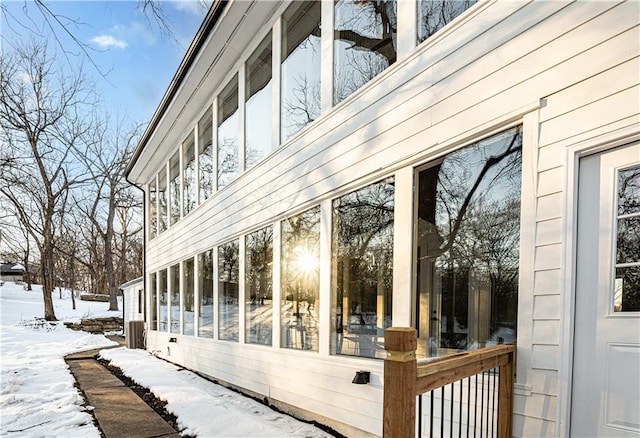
[38,399]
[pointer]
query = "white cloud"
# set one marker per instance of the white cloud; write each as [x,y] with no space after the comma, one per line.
[108,41]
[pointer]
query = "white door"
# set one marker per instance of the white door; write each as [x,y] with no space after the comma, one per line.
[606,358]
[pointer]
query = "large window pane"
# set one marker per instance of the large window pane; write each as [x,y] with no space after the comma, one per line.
[365,43]
[259,286]
[300,67]
[174,305]
[205,286]
[228,280]
[433,15]
[228,133]
[162,200]
[362,266]
[300,278]
[164,309]
[259,140]
[152,197]
[467,246]
[174,188]
[189,174]
[188,300]
[205,156]
[153,296]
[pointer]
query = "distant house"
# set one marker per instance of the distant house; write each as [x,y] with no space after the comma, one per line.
[12,272]
[320,171]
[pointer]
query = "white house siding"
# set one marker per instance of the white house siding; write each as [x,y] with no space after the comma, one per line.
[567,71]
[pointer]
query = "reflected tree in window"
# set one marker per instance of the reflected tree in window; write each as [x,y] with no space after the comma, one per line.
[164,299]
[205,156]
[153,209]
[162,200]
[300,279]
[174,276]
[365,43]
[228,279]
[153,296]
[362,269]
[189,174]
[228,124]
[259,286]
[188,285]
[174,188]
[205,285]
[468,240]
[433,15]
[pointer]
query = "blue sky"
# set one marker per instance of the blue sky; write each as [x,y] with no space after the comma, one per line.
[138,60]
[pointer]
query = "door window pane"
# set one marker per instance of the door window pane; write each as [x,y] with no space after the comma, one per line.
[259,286]
[228,279]
[300,67]
[627,279]
[205,285]
[164,310]
[467,246]
[188,301]
[205,156]
[300,278]
[362,266]
[162,200]
[174,188]
[174,277]
[433,15]
[259,140]
[189,174]
[153,295]
[365,43]
[228,133]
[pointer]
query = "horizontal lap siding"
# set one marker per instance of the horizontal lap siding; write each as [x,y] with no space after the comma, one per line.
[585,75]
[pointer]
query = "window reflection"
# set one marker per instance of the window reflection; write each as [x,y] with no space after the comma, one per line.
[174,306]
[205,287]
[300,279]
[163,292]
[189,174]
[300,67]
[259,286]
[162,200]
[228,133]
[153,209]
[362,269]
[228,278]
[365,43]
[468,238]
[174,188]
[153,295]
[205,156]
[258,104]
[627,279]
[188,299]
[433,15]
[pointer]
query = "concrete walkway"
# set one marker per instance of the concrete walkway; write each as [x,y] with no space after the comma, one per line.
[118,410]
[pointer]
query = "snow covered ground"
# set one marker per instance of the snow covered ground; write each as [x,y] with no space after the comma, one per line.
[38,399]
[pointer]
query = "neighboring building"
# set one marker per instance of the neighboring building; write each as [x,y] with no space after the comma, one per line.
[133,310]
[12,272]
[468,169]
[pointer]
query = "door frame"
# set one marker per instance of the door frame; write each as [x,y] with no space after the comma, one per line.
[574,152]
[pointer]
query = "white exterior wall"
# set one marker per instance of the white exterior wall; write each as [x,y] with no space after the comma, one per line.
[132,309]
[568,72]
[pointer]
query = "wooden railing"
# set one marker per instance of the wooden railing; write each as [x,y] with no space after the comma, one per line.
[404,379]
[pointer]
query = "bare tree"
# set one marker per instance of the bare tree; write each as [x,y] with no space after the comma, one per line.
[42,121]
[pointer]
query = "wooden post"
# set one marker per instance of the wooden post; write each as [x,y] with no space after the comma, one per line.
[399,405]
[505,398]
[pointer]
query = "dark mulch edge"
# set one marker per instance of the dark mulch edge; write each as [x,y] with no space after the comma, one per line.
[145,394]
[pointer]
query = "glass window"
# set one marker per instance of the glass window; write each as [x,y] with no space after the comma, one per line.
[365,43]
[205,286]
[205,155]
[300,67]
[228,133]
[188,174]
[188,301]
[174,188]
[153,296]
[153,209]
[627,281]
[164,310]
[362,270]
[174,278]
[228,280]
[300,278]
[259,286]
[467,246]
[259,140]
[162,200]
[433,15]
